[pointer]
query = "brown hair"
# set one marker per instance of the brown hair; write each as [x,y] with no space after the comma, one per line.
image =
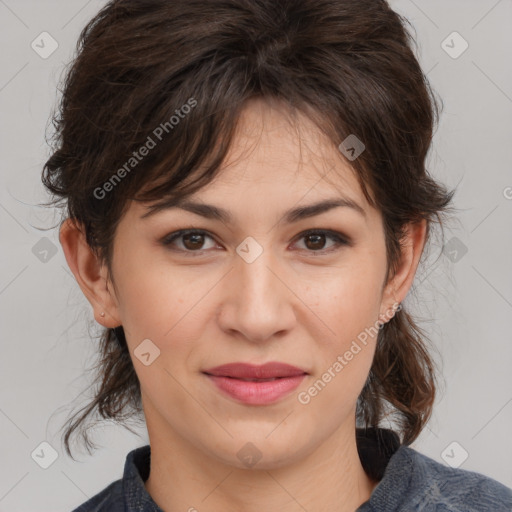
[348,64]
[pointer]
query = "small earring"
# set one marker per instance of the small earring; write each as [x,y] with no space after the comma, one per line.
[102,313]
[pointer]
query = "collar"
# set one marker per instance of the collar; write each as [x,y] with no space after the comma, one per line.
[375,447]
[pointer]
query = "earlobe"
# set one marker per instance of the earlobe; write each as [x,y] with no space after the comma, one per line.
[89,273]
[412,249]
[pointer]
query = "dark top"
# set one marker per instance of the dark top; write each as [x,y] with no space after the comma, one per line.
[408,482]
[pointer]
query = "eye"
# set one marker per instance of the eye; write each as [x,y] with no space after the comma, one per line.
[316,239]
[193,240]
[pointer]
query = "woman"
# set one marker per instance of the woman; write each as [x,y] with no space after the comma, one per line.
[247,206]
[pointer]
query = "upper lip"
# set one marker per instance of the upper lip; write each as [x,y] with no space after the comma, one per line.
[251,371]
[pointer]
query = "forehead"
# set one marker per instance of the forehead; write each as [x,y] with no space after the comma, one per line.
[276,151]
[280,145]
[278,160]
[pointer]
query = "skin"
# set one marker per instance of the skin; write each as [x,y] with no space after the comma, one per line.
[301,301]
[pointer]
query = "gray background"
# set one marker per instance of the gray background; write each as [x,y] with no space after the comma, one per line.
[46,322]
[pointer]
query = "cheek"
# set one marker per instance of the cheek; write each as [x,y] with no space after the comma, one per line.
[165,306]
[347,299]
[348,304]
[345,353]
[155,295]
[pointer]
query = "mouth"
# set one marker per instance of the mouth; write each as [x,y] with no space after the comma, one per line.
[234,382]
[249,372]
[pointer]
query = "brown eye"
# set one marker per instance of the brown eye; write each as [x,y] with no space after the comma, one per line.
[315,240]
[191,240]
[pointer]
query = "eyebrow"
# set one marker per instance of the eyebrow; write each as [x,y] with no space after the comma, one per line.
[210,211]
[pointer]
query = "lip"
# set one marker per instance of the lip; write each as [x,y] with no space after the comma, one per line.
[251,371]
[228,379]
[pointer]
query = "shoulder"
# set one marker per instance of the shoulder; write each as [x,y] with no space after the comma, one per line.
[127,493]
[109,499]
[453,489]
[415,482]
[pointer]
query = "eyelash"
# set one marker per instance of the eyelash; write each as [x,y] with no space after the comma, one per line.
[339,240]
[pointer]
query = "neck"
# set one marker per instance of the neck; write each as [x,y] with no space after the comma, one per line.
[182,477]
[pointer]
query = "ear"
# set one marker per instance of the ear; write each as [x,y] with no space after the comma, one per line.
[397,288]
[90,275]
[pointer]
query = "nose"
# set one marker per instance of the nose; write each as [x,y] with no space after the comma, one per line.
[257,302]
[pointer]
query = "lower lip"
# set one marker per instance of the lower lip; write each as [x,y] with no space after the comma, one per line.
[257,393]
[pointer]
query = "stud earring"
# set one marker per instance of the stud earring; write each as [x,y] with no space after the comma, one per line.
[102,313]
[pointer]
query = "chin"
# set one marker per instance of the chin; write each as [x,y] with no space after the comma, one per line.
[260,454]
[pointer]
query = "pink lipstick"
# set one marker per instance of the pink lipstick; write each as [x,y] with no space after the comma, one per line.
[256,385]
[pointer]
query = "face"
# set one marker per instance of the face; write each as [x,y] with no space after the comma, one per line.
[256,288]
